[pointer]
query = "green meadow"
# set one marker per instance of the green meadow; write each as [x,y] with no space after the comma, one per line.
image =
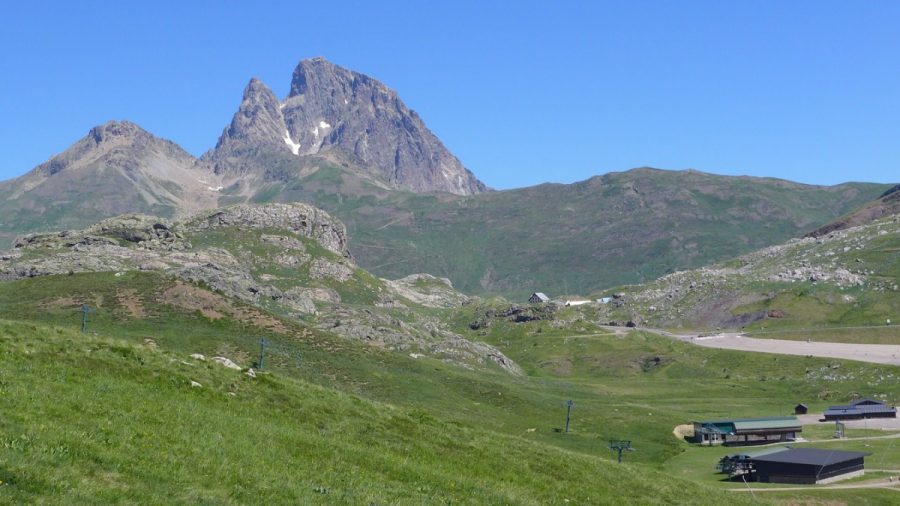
[111,415]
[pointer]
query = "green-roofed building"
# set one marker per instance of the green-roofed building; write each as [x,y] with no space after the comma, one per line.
[747,431]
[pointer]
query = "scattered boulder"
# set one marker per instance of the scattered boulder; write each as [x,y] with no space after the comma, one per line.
[226,363]
[775,313]
[194,384]
[324,269]
[251,373]
[198,356]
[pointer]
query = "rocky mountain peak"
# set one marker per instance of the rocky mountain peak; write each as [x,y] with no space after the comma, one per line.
[257,127]
[258,118]
[123,141]
[333,108]
[119,130]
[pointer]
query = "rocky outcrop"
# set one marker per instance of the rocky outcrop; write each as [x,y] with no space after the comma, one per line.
[260,255]
[301,219]
[419,334]
[428,290]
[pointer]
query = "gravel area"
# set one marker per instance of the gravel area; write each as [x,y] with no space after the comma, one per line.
[874,353]
[871,423]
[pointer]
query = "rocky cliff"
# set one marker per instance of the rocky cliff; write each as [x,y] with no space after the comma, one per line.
[344,115]
[332,108]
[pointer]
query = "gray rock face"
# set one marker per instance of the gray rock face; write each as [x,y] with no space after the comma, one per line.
[302,219]
[428,290]
[257,137]
[332,108]
[334,111]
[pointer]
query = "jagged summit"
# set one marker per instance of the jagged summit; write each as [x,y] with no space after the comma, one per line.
[256,128]
[331,110]
[116,129]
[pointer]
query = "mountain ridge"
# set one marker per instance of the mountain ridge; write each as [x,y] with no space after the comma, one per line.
[326,145]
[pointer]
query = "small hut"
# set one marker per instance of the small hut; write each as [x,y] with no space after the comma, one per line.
[538,298]
[801,409]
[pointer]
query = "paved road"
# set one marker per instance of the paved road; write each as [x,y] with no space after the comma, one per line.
[870,423]
[874,353]
[879,483]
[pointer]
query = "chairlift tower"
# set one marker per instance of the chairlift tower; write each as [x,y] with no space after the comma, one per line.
[263,344]
[838,429]
[620,446]
[84,317]
[569,405]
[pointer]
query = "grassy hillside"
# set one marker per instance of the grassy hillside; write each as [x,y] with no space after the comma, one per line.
[102,420]
[841,286]
[348,404]
[619,228]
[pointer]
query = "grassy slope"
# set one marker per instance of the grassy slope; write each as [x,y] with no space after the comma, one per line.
[822,310]
[613,229]
[618,392]
[98,419]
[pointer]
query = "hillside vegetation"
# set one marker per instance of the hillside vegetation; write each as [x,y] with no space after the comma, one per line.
[626,227]
[377,392]
[805,288]
[97,419]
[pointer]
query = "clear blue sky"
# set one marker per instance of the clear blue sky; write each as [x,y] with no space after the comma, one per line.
[521,92]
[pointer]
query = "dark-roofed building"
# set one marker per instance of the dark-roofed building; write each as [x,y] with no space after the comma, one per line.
[538,298]
[746,431]
[864,408]
[806,466]
[801,409]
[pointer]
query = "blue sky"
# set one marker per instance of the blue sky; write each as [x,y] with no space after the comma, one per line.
[522,92]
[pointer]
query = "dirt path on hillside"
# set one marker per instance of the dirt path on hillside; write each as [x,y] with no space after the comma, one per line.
[873,353]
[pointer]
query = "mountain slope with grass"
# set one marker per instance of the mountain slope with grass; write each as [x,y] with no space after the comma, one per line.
[887,204]
[99,419]
[635,386]
[117,168]
[618,228]
[805,288]
[291,259]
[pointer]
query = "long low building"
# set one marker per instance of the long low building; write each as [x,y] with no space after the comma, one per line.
[865,408]
[806,466]
[747,431]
